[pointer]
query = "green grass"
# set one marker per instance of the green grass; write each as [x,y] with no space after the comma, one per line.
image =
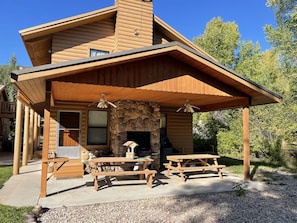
[13,214]
[10,214]
[261,169]
[5,174]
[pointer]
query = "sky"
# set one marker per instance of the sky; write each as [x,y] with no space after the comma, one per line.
[188,17]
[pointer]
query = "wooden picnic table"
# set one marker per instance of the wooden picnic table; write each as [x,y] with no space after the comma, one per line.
[192,162]
[107,166]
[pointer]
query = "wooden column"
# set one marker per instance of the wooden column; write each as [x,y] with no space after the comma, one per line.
[38,130]
[246,143]
[17,138]
[45,149]
[26,136]
[35,134]
[31,134]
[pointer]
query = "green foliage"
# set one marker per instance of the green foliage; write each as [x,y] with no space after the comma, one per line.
[11,91]
[220,40]
[283,36]
[5,78]
[270,125]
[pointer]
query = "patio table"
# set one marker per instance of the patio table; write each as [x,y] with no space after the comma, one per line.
[192,162]
[108,166]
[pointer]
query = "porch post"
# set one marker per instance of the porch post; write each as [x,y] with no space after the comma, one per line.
[35,134]
[45,149]
[17,139]
[31,136]
[246,143]
[26,136]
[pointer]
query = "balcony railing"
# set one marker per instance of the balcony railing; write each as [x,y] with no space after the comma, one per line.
[7,109]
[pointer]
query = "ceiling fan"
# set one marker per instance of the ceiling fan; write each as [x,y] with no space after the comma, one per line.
[188,107]
[103,103]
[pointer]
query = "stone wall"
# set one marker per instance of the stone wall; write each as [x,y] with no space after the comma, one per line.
[135,116]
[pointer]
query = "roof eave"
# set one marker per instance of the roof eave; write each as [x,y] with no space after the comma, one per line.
[62,24]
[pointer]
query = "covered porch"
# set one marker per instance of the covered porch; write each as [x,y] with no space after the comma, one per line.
[149,81]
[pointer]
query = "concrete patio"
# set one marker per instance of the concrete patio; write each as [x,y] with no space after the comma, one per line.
[24,189]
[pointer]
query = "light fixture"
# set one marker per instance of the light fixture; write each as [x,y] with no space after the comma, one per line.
[188,108]
[103,103]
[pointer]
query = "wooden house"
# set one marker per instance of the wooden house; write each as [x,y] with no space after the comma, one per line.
[139,64]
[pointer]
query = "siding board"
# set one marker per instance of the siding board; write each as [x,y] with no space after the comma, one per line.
[75,43]
[179,131]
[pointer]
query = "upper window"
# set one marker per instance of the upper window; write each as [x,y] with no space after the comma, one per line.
[97,128]
[94,52]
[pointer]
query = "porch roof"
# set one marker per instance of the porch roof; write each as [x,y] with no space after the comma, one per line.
[32,81]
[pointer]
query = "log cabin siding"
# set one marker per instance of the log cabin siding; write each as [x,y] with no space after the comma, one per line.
[134,24]
[179,131]
[76,43]
[53,130]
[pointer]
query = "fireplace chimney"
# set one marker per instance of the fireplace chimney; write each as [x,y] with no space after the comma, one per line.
[134,24]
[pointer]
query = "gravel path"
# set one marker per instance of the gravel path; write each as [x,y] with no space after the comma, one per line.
[277,204]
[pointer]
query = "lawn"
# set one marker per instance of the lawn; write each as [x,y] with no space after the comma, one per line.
[10,214]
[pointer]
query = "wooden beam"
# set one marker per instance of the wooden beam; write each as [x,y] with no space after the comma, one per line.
[246,144]
[18,138]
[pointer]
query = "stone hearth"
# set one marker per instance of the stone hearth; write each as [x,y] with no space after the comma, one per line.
[135,116]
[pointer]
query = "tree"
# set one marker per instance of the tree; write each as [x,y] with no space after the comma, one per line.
[220,40]
[266,130]
[5,78]
[283,37]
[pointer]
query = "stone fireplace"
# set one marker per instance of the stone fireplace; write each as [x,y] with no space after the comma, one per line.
[136,120]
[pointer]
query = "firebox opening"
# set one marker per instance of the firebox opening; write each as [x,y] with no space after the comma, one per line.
[143,139]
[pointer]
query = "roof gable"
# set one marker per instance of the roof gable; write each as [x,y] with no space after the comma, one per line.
[203,69]
[38,40]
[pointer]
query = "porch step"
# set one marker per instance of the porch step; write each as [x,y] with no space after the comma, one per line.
[70,169]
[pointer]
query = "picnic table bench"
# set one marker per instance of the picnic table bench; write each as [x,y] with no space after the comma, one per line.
[189,162]
[102,162]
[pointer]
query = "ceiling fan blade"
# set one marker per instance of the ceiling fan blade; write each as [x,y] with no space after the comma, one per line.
[195,107]
[112,104]
[178,110]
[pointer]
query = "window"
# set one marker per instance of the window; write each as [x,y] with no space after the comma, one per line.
[94,52]
[97,128]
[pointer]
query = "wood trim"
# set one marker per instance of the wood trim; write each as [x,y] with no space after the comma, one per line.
[70,22]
